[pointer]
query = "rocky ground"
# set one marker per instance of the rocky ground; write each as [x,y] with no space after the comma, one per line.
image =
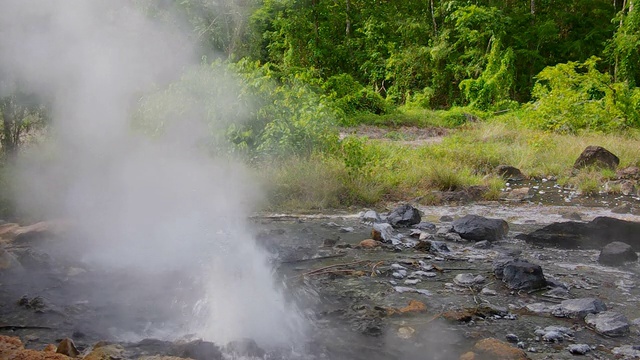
[480,281]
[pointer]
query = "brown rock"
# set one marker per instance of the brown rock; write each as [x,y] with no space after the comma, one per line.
[468,356]
[36,355]
[458,315]
[519,194]
[50,348]
[627,187]
[376,235]
[67,347]
[11,348]
[9,344]
[102,351]
[369,244]
[7,260]
[596,156]
[631,172]
[414,306]
[491,348]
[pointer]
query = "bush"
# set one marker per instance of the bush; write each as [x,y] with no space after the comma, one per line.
[351,97]
[576,96]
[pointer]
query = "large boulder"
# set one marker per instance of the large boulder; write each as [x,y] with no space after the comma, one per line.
[474,227]
[579,308]
[523,275]
[596,156]
[617,253]
[593,235]
[404,215]
[609,323]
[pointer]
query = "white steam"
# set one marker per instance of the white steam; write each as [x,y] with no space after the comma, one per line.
[151,205]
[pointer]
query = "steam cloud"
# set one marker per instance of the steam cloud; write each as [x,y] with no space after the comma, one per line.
[152,205]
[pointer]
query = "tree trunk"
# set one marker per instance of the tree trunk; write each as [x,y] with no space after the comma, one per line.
[348,20]
[433,19]
[9,140]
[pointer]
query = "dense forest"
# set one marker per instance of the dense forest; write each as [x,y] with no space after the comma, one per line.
[306,67]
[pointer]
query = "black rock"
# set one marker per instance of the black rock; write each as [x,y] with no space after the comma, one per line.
[499,265]
[404,215]
[426,226]
[197,350]
[617,253]
[593,235]
[597,156]
[474,227]
[509,172]
[523,275]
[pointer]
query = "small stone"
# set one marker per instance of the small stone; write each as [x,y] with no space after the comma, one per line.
[426,226]
[369,244]
[439,246]
[624,208]
[520,194]
[492,348]
[68,348]
[508,172]
[406,332]
[330,242]
[404,215]
[579,349]
[446,218]
[400,274]
[412,281]
[398,267]
[423,274]
[512,338]
[370,216]
[382,232]
[454,237]
[414,306]
[347,229]
[484,244]
[521,345]
[553,336]
[468,279]
[488,292]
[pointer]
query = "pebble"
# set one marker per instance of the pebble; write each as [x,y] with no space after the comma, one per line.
[488,292]
[512,338]
[553,336]
[437,258]
[468,279]
[400,274]
[398,267]
[404,289]
[579,349]
[422,274]
[412,281]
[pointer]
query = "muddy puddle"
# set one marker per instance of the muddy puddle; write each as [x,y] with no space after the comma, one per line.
[356,306]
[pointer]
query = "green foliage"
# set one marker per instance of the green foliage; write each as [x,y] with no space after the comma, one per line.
[491,90]
[246,108]
[624,48]
[576,96]
[352,98]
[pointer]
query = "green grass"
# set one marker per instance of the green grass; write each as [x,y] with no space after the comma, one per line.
[366,172]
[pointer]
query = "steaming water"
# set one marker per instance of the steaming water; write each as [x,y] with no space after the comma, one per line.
[136,204]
